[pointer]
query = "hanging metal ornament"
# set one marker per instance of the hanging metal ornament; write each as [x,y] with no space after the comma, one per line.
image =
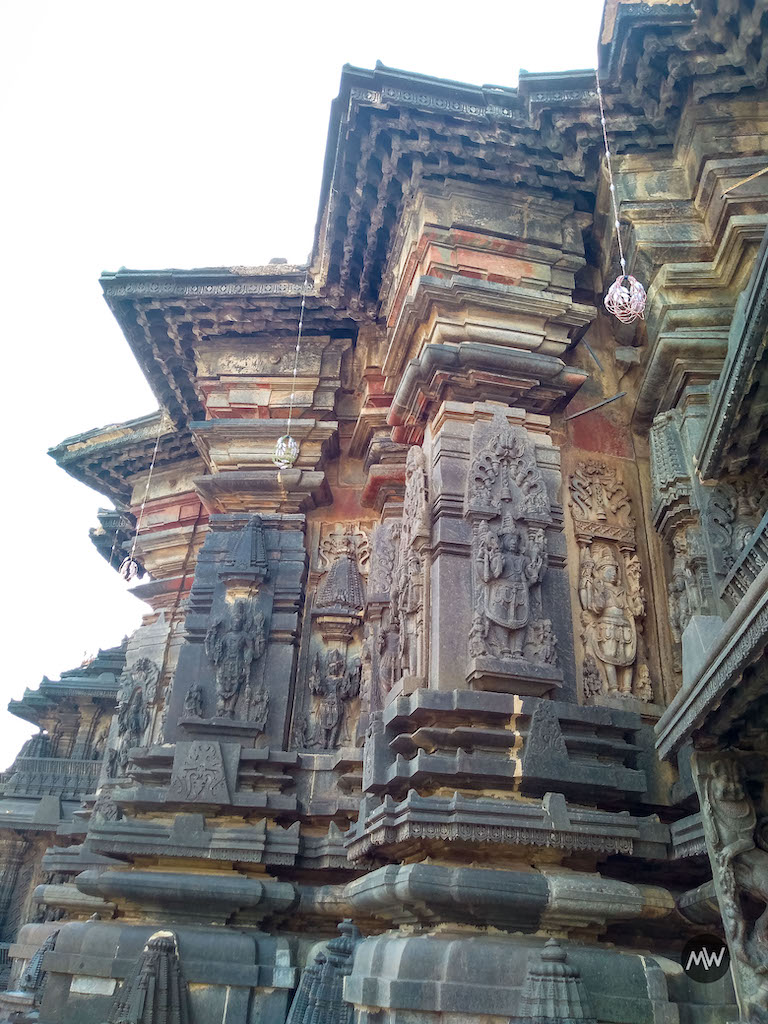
[626,296]
[286,452]
[626,299]
[129,569]
[287,447]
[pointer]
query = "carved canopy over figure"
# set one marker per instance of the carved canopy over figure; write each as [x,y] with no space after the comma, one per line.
[342,586]
[509,563]
[597,493]
[610,629]
[233,643]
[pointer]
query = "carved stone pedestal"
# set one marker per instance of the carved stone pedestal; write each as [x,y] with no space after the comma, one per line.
[522,677]
[404,686]
[223,728]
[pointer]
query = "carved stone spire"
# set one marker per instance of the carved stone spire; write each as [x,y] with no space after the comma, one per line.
[33,976]
[553,992]
[156,992]
[342,587]
[319,996]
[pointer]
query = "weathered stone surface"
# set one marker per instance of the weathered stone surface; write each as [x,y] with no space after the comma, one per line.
[411,682]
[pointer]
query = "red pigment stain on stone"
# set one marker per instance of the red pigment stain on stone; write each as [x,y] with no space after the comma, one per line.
[346,503]
[595,432]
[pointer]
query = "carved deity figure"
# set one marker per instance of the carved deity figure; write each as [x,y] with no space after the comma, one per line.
[132,719]
[233,643]
[408,578]
[610,630]
[389,650]
[737,848]
[193,702]
[542,641]
[591,679]
[333,686]
[143,673]
[746,513]
[366,663]
[508,564]
[685,597]
[410,607]
[257,704]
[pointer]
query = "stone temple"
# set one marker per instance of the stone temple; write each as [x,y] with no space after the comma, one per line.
[463,716]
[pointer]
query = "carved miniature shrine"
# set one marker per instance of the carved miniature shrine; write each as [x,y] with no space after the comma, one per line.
[451,703]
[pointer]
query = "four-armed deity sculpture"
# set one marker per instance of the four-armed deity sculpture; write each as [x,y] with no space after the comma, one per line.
[233,643]
[333,685]
[609,620]
[509,562]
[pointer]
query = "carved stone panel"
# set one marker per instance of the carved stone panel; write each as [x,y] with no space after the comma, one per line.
[143,673]
[512,645]
[235,672]
[343,559]
[610,590]
[334,687]
[198,774]
[403,636]
[234,642]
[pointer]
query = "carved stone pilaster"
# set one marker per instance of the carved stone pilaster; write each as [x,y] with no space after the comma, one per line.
[736,834]
[511,641]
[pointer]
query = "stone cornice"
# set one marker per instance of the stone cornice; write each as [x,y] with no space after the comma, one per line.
[741,642]
[731,429]
[107,458]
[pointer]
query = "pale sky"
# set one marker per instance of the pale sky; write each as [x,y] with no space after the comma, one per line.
[169,134]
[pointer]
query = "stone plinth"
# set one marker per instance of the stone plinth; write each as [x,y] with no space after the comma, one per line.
[522,677]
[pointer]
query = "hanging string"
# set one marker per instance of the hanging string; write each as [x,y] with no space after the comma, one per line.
[130,568]
[625,300]
[287,449]
[114,542]
[744,181]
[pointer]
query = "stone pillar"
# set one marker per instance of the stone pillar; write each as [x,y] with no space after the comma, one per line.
[12,851]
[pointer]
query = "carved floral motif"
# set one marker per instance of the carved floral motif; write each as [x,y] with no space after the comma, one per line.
[201,775]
